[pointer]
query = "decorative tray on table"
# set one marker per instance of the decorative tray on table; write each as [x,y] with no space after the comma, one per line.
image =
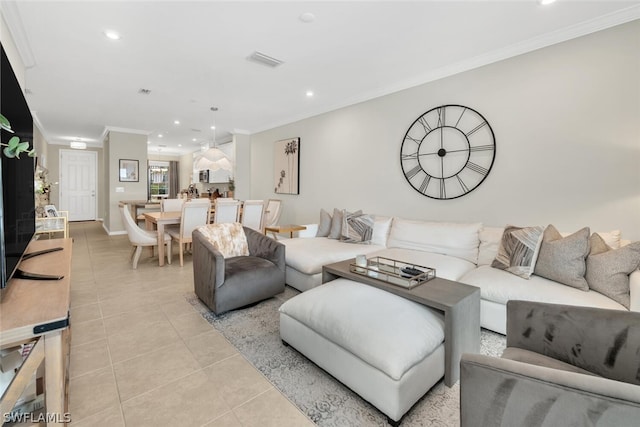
[395,272]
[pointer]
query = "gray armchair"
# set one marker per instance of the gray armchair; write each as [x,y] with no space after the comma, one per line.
[563,365]
[226,284]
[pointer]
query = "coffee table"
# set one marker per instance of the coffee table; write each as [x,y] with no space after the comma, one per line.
[460,304]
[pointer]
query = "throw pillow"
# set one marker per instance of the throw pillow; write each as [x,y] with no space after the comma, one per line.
[357,228]
[563,259]
[228,238]
[336,224]
[324,226]
[608,269]
[518,250]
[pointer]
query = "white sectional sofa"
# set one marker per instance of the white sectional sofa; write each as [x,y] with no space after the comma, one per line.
[460,252]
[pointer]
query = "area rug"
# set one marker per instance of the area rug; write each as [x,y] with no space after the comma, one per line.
[254,331]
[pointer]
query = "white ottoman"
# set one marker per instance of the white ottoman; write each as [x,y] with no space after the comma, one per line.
[386,348]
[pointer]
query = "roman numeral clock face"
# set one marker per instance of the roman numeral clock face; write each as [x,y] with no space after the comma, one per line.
[447,152]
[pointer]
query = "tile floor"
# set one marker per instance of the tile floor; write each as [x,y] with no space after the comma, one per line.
[142,356]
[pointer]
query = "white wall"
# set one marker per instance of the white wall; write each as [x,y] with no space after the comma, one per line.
[566,120]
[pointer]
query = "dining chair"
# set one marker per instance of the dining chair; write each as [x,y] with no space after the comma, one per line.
[253,214]
[272,212]
[171,205]
[226,211]
[140,238]
[194,214]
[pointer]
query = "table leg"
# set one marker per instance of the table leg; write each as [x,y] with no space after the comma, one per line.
[462,335]
[54,375]
[160,244]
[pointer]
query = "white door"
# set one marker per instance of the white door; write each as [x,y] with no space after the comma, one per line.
[78,170]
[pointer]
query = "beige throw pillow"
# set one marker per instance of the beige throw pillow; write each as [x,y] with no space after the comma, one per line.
[563,259]
[324,226]
[608,269]
[228,238]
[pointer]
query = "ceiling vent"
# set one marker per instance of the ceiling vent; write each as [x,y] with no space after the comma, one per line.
[263,59]
[195,130]
[144,91]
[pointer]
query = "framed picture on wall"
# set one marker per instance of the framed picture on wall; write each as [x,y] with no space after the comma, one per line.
[287,166]
[129,170]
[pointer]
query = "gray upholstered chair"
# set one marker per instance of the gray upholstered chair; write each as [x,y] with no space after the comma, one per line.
[225,284]
[563,365]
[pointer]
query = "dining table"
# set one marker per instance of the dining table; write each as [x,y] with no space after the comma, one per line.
[158,220]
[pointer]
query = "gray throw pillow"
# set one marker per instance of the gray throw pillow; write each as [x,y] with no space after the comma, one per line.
[518,250]
[324,226]
[357,228]
[608,269]
[336,224]
[564,259]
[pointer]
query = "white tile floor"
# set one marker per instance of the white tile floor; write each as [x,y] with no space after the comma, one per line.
[142,356]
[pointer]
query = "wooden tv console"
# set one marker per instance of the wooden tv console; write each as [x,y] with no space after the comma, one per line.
[36,310]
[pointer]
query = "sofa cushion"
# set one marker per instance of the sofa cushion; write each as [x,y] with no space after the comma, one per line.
[447,267]
[563,259]
[455,239]
[324,226]
[310,254]
[489,244]
[499,286]
[356,317]
[608,269]
[381,228]
[518,250]
[336,224]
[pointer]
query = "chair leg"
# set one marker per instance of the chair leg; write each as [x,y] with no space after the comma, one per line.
[133,251]
[181,254]
[169,252]
[136,257]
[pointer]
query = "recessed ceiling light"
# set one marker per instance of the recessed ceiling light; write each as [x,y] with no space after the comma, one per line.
[112,35]
[160,135]
[309,94]
[176,122]
[546,2]
[179,145]
[148,142]
[194,140]
[213,127]
[307,17]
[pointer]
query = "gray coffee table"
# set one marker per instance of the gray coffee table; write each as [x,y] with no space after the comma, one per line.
[460,304]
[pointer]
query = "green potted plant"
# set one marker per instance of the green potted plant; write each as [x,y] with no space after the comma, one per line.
[232,187]
[14,147]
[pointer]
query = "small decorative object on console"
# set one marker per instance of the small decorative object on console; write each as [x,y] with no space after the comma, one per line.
[394,272]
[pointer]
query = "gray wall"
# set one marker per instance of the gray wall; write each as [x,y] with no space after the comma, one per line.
[566,120]
[124,146]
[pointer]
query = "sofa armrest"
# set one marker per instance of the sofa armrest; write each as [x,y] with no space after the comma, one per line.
[265,247]
[605,342]
[634,289]
[208,262]
[495,391]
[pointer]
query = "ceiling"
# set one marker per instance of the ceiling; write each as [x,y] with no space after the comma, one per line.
[193,55]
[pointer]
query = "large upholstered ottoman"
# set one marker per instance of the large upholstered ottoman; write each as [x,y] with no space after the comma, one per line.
[386,348]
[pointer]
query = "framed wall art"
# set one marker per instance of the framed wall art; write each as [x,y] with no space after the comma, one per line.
[287,166]
[129,170]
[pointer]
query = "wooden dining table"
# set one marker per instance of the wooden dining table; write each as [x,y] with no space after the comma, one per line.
[157,220]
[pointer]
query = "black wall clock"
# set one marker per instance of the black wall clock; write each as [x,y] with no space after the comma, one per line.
[448,152]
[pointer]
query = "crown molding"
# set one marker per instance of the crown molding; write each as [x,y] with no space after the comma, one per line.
[126,130]
[603,22]
[16,28]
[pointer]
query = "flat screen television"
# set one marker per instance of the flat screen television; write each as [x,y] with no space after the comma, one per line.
[17,205]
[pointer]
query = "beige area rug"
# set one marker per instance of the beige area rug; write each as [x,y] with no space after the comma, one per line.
[254,331]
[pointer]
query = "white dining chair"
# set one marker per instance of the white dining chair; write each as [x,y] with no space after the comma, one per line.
[171,205]
[194,214]
[253,214]
[226,211]
[140,238]
[272,212]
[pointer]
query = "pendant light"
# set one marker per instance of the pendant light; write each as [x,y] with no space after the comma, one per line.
[213,158]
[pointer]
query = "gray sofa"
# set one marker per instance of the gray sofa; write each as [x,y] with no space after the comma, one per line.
[563,365]
[226,284]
